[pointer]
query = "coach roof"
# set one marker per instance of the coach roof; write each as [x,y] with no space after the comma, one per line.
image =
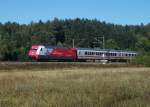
[110,50]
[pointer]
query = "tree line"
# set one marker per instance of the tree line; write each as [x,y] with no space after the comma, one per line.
[16,39]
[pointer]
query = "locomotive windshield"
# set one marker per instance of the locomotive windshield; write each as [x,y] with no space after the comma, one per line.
[34,49]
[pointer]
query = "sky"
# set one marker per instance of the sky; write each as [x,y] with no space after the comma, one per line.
[123,12]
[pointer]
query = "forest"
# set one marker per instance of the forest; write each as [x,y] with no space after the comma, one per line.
[16,39]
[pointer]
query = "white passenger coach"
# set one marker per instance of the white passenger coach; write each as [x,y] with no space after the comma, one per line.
[100,54]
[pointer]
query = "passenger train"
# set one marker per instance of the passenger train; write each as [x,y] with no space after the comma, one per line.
[49,53]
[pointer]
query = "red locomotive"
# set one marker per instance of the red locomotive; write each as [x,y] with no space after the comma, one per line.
[41,52]
[48,53]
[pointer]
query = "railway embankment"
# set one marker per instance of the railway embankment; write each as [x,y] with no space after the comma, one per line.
[59,65]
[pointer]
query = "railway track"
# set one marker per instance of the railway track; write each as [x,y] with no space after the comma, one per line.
[58,65]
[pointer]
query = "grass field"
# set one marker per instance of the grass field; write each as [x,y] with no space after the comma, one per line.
[75,87]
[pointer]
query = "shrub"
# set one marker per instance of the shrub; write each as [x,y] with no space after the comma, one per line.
[143,59]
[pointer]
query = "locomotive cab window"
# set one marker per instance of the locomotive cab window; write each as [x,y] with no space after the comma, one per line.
[34,49]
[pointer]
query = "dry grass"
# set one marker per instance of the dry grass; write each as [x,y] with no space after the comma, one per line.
[75,87]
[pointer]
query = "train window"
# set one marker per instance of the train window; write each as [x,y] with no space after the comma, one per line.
[110,54]
[96,53]
[89,53]
[107,54]
[115,54]
[85,53]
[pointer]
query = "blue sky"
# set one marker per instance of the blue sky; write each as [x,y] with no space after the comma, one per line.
[113,11]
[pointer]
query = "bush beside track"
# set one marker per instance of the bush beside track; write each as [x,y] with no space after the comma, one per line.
[58,65]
